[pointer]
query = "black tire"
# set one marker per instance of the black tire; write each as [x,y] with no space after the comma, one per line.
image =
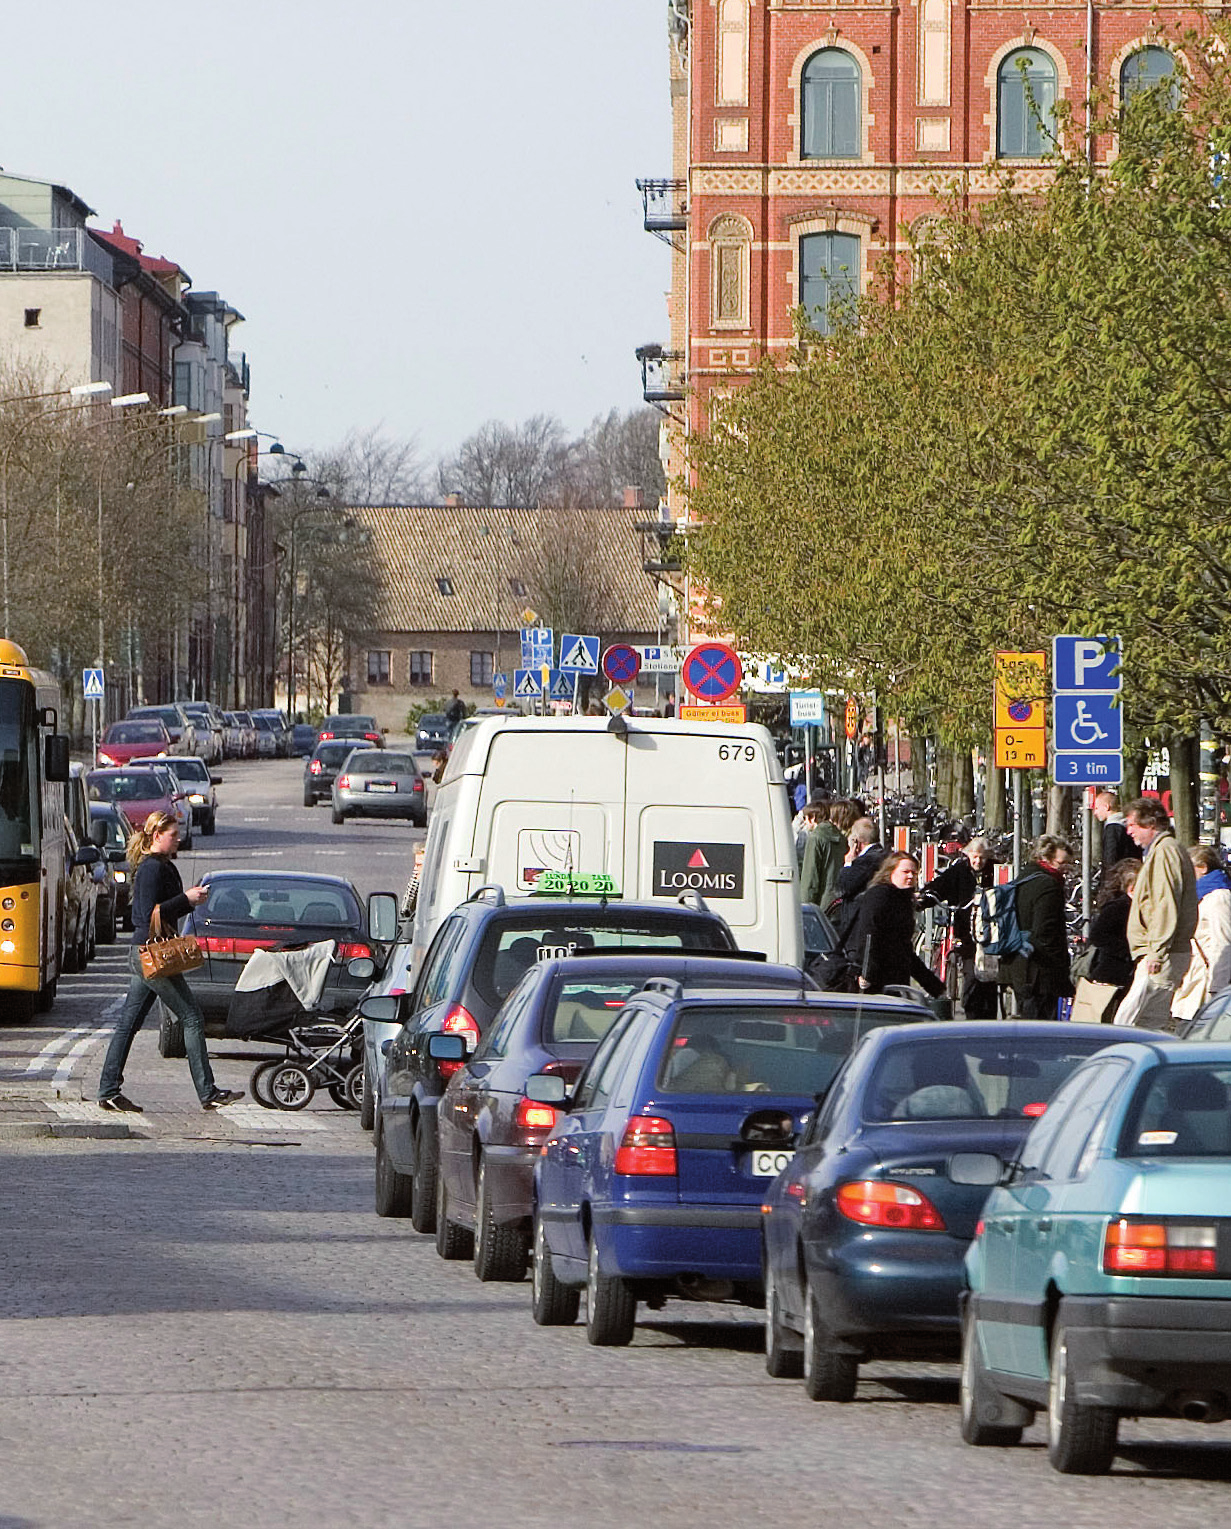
[291,1086]
[1081,1440]
[828,1375]
[453,1242]
[259,1078]
[104,926]
[983,1409]
[309,800]
[611,1307]
[338,817]
[427,1165]
[209,826]
[68,961]
[552,1304]
[353,1087]
[337,1092]
[784,1350]
[392,1188]
[367,1102]
[39,1002]
[171,1035]
[20,1008]
[500,1250]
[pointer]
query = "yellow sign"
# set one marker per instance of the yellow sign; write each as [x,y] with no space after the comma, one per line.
[529,617]
[713,713]
[1021,748]
[617,699]
[1021,711]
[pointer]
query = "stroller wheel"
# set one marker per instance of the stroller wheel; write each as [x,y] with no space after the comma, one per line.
[354,1087]
[259,1083]
[290,1086]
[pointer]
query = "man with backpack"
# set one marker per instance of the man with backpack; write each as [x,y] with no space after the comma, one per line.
[1039,972]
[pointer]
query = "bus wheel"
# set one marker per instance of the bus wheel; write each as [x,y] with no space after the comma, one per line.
[44,998]
[19,1008]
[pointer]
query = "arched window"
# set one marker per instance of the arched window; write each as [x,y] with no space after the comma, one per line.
[1025,105]
[831,89]
[829,278]
[1144,70]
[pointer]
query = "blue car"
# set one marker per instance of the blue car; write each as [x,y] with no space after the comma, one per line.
[1100,1281]
[865,1231]
[651,1185]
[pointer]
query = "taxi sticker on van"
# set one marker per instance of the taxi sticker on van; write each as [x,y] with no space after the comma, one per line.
[566,884]
[713,870]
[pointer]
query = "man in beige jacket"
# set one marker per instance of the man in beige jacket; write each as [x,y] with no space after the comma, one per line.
[1162,920]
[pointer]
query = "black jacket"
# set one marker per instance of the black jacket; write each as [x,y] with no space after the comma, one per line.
[957,885]
[881,946]
[1113,961]
[1116,845]
[157,883]
[1040,912]
[854,878]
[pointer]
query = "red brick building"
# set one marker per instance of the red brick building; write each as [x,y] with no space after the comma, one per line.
[152,315]
[807,135]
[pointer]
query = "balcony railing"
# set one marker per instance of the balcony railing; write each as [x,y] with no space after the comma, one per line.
[52,249]
[666,206]
[661,379]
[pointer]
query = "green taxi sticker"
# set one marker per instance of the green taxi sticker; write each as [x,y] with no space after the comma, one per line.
[571,884]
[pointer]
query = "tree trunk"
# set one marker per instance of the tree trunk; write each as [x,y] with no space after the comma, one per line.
[1183,795]
[1134,769]
[944,778]
[994,805]
[1060,811]
[963,784]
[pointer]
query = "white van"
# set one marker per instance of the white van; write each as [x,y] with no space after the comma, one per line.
[663,807]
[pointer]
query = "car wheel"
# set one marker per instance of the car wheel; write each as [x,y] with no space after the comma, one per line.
[499,1249]
[291,1086]
[828,1375]
[392,1188]
[553,1304]
[453,1242]
[308,799]
[171,1035]
[611,1307]
[367,1102]
[354,1085]
[427,1165]
[209,825]
[1081,1440]
[984,1411]
[784,1354]
[187,844]
[338,817]
[104,926]
[258,1083]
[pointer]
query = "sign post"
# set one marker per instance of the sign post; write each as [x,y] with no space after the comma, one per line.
[1088,722]
[92,690]
[1020,726]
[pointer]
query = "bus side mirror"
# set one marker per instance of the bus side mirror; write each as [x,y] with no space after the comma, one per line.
[55,757]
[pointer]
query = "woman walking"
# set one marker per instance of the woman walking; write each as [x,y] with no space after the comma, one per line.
[1210,967]
[1100,992]
[157,886]
[881,946]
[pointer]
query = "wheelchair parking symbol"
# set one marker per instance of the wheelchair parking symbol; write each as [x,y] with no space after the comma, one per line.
[1088,722]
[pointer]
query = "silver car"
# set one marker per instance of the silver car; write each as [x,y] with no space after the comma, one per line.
[380,783]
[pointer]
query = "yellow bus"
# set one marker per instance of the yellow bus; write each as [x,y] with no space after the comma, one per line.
[34,764]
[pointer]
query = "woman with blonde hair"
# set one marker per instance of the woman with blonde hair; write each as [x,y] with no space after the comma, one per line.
[157,887]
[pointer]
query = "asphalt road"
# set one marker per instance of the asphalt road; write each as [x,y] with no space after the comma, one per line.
[208,1325]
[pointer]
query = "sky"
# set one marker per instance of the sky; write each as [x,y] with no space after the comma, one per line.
[425,209]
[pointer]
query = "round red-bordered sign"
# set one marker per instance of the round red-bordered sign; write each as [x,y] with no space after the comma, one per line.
[712,671]
[621,664]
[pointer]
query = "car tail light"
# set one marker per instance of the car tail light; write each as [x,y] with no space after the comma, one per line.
[353,950]
[372,737]
[326,735]
[1035,1109]
[458,1021]
[106,759]
[648,1147]
[1160,1247]
[418,785]
[314,767]
[878,1202]
[532,1116]
[344,782]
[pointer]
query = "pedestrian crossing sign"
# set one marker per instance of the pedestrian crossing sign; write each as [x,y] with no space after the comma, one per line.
[561,686]
[578,654]
[527,684]
[92,684]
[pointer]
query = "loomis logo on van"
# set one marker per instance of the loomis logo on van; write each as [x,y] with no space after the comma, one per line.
[714,870]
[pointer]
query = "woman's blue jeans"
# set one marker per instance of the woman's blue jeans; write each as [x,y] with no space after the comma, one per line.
[179,998]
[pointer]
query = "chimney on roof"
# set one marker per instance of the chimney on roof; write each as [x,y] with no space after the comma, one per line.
[633,498]
[454,501]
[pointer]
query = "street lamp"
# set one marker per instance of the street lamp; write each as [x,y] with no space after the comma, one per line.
[309,509]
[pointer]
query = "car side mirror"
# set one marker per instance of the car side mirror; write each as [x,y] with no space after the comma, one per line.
[546,1088]
[446,1047]
[979,1170]
[87,854]
[383,917]
[98,833]
[363,967]
[215,780]
[383,1007]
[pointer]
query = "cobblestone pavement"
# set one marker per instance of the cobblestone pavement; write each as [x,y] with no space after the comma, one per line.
[207,1325]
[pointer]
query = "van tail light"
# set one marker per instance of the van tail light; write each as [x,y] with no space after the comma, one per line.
[648,1148]
[1160,1247]
[458,1021]
[353,950]
[314,768]
[344,782]
[532,1116]
[878,1202]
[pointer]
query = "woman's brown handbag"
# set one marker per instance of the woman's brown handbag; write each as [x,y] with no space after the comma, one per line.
[169,955]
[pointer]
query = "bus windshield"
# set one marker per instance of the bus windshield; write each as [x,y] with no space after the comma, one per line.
[18,744]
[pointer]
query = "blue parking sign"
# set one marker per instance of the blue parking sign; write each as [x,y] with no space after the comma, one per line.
[1087,663]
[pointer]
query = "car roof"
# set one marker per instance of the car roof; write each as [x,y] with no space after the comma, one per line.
[994,1029]
[552,908]
[878,1003]
[125,769]
[579,968]
[270,875]
[1170,1051]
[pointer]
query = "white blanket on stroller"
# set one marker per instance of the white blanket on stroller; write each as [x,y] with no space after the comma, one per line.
[304,971]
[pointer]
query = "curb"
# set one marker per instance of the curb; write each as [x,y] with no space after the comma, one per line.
[65,1130]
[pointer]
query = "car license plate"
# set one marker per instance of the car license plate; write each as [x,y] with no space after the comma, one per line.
[381,785]
[768,1165]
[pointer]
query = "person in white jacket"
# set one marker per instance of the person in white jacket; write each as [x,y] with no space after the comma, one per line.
[1210,967]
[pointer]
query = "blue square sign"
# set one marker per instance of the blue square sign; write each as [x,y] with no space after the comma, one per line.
[1087,663]
[1088,722]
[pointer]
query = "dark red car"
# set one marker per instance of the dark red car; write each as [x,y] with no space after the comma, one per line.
[131,740]
[136,793]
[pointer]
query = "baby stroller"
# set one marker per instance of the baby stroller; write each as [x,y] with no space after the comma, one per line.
[276,1000]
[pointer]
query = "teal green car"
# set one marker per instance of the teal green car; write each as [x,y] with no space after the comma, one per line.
[1100,1274]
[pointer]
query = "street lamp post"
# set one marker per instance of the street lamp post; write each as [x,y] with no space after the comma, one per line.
[321,493]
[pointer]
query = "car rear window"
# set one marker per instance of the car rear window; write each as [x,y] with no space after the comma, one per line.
[1182,1109]
[375,760]
[968,1078]
[265,901]
[135,732]
[333,754]
[762,1048]
[140,786]
[117,827]
[188,769]
[508,950]
[585,1011]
